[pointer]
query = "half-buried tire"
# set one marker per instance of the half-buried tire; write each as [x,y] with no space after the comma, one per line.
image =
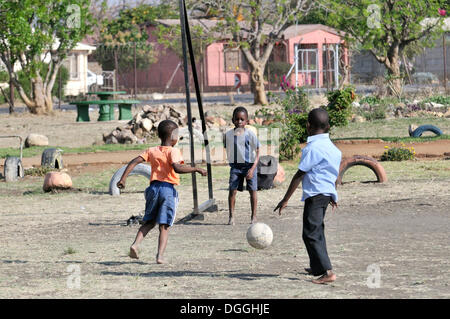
[366,161]
[52,157]
[424,128]
[13,169]
[140,169]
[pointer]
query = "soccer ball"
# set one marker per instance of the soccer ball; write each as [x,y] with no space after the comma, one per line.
[259,235]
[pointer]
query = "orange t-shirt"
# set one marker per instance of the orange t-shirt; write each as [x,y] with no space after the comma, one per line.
[161,159]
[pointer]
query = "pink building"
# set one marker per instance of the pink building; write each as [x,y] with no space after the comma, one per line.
[321,61]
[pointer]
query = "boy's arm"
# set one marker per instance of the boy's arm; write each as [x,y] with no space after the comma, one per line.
[251,171]
[184,169]
[298,177]
[131,165]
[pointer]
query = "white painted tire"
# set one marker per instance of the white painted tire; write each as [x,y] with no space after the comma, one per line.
[140,169]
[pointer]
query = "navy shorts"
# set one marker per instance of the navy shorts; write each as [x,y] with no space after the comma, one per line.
[161,203]
[237,177]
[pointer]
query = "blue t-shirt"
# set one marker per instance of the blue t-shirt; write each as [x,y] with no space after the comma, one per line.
[320,161]
[241,149]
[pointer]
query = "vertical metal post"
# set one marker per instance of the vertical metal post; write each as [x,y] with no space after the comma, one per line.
[296,64]
[336,65]
[188,102]
[445,61]
[200,109]
[11,97]
[135,74]
[317,68]
[59,88]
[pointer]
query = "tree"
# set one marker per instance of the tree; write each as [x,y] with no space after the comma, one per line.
[126,34]
[37,36]
[254,26]
[170,35]
[385,28]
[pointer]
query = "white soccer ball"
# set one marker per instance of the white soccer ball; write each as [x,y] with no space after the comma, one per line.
[259,235]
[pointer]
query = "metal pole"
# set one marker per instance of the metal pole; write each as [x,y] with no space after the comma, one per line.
[445,62]
[296,65]
[135,74]
[188,103]
[59,88]
[336,65]
[11,97]
[199,103]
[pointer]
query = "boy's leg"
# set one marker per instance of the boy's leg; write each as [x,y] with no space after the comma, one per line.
[142,232]
[254,204]
[252,187]
[231,203]
[314,235]
[162,243]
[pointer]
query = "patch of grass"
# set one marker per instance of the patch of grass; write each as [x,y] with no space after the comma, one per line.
[399,139]
[39,171]
[37,150]
[412,170]
[392,128]
[69,251]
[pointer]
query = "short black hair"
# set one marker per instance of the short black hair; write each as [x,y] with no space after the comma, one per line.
[165,129]
[318,119]
[240,109]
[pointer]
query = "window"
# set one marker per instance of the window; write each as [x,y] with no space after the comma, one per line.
[234,60]
[73,66]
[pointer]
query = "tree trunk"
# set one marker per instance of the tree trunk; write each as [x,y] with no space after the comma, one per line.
[42,103]
[395,81]
[257,85]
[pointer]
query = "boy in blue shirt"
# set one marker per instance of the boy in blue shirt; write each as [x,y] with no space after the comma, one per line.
[242,147]
[318,171]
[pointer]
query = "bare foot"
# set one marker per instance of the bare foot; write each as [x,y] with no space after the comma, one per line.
[133,253]
[231,221]
[160,260]
[326,278]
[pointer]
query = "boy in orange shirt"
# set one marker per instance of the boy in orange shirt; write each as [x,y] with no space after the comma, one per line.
[161,196]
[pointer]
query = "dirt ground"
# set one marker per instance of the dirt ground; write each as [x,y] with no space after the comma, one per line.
[386,240]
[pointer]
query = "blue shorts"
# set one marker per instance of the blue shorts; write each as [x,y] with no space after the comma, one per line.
[161,203]
[237,177]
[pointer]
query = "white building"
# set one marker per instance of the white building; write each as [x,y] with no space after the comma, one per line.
[77,65]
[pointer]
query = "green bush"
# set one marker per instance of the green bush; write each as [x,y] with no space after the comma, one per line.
[293,115]
[292,118]
[377,112]
[339,106]
[370,99]
[401,153]
[444,100]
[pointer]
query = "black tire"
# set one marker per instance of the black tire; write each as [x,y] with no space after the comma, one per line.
[52,157]
[140,169]
[13,169]
[424,128]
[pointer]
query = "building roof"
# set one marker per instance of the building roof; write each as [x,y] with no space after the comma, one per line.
[290,32]
[300,29]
